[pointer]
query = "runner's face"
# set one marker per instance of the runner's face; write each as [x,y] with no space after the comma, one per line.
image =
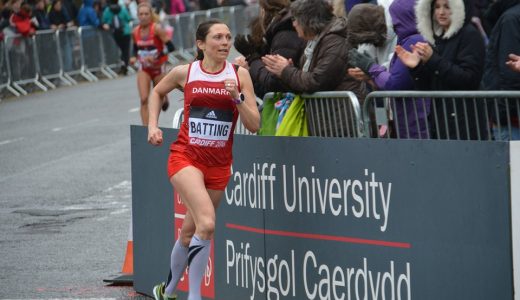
[145,15]
[217,43]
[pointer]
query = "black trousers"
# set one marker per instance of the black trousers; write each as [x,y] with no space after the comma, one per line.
[123,42]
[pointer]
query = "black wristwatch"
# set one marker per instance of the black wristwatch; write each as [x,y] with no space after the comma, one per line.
[240,99]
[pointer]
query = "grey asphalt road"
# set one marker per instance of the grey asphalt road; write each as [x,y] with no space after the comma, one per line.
[65,189]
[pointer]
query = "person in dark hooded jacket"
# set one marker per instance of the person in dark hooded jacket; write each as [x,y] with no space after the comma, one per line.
[87,15]
[504,40]
[452,59]
[396,77]
[117,19]
[277,37]
[40,13]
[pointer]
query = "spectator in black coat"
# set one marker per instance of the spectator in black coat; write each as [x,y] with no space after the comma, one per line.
[41,15]
[452,59]
[58,17]
[504,40]
[273,34]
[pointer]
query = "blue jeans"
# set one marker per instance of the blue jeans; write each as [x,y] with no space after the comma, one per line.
[502,133]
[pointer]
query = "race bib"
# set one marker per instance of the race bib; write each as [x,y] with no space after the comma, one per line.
[143,54]
[209,127]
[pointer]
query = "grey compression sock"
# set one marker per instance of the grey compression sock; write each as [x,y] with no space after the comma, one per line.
[197,261]
[178,263]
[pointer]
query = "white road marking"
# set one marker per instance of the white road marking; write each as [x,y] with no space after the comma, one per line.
[5,142]
[56,129]
[120,211]
[135,109]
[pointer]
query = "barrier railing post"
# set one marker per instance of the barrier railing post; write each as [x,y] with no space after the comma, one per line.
[333,114]
[22,51]
[84,68]
[188,35]
[103,63]
[6,71]
[66,78]
[38,68]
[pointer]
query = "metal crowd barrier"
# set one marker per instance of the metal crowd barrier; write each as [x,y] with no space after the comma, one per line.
[331,114]
[23,62]
[185,26]
[87,52]
[49,58]
[110,52]
[180,30]
[452,115]
[92,57]
[5,72]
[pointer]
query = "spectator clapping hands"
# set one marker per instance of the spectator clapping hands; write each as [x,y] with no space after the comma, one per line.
[421,52]
[276,63]
[514,62]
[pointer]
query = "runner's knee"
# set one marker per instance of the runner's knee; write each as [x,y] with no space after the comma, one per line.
[206,228]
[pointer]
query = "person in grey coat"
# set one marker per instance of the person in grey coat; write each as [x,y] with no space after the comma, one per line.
[323,65]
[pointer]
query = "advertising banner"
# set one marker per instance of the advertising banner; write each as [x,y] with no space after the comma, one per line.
[316,218]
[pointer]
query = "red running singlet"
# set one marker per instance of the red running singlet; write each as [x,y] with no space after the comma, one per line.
[210,116]
[149,46]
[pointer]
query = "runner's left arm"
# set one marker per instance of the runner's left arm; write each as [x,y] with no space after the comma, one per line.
[161,33]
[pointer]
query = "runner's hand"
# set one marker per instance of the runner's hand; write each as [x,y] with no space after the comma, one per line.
[155,136]
[231,86]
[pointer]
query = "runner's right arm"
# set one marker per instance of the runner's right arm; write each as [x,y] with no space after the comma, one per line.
[175,79]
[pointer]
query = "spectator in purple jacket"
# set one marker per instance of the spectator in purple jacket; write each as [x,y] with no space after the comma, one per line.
[410,116]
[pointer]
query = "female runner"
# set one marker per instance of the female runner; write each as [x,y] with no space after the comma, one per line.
[215,93]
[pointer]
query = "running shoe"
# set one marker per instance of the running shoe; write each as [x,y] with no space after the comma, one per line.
[158,293]
[165,104]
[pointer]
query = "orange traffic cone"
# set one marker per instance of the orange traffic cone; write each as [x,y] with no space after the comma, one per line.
[128,265]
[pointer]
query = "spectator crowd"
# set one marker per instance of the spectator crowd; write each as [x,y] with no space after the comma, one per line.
[306,46]
[395,45]
[27,16]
